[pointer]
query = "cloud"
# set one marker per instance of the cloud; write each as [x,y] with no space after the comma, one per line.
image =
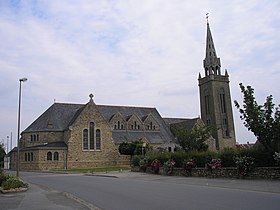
[144,53]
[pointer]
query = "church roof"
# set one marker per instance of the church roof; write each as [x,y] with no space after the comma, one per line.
[56,118]
[186,122]
[60,116]
[51,145]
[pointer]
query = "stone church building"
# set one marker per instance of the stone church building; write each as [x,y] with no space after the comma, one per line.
[87,135]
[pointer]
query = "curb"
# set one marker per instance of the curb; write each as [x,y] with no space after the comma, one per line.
[102,175]
[16,190]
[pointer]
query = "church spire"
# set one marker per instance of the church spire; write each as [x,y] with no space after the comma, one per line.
[212,64]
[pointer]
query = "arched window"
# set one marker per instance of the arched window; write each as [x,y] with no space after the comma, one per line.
[37,137]
[223,101]
[55,156]
[98,139]
[119,124]
[28,155]
[31,136]
[91,134]
[34,137]
[31,158]
[85,139]
[25,156]
[49,156]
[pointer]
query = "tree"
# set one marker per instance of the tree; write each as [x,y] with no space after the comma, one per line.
[262,120]
[2,154]
[192,139]
[133,148]
[127,148]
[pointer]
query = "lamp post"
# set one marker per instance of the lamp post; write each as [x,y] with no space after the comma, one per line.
[18,131]
[143,147]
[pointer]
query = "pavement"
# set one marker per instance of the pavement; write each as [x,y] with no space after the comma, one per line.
[39,197]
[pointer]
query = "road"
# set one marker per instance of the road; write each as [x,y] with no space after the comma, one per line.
[143,191]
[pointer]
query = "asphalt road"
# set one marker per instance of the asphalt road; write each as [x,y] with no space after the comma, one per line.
[145,192]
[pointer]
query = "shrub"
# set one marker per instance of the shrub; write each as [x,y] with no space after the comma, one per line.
[244,165]
[188,165]
[135,160]
[13,183]
[276,157]
[261,157]
[4,177]
[179,158]
[202,158]
[227,157]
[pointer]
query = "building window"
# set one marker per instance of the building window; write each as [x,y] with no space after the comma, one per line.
[225,128]
[85,139]
[91,135]
[55,156]
[98,139]
[207,105]
[25,156]
[31,137]
[28,155]
[49,156]
[222,101]
[31,156]
[37,137]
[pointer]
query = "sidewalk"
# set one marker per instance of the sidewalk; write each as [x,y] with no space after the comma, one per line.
[42,198]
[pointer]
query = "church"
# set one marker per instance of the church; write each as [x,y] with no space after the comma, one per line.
[87,135]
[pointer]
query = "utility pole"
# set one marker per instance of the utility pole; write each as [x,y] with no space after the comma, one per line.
[11,141]
[7,144]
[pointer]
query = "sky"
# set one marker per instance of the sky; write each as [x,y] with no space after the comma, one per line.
[144,53]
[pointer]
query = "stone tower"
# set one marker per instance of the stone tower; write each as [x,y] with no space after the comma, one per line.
[215,99]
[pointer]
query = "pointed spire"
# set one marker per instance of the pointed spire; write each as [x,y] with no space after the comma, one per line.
[210,48]
[212,63]
[199,76]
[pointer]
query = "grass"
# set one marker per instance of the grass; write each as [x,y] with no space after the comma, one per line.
[99,169]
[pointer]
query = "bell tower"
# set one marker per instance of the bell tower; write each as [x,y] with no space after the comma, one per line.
[215,99]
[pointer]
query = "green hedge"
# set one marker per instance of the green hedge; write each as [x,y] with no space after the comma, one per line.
[227,156]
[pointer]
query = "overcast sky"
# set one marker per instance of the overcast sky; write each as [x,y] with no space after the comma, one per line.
[131,52]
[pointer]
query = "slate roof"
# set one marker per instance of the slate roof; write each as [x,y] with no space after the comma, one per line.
[52,145]
[188,123]
[155,137]
[60,116]
[56,118]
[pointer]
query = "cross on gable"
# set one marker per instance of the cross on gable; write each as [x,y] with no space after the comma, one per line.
[91,96]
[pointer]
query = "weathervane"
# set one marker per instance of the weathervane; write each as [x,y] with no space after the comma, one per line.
[207,16]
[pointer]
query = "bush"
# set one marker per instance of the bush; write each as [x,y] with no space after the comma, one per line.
[13,183]
[4,177]
[202,158]
[135,161]
[261,157]
[244,165]
[227,157]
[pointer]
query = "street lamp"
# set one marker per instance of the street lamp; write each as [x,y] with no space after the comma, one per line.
[18,140]
[143,147]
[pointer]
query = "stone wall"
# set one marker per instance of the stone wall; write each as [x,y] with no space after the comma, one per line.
[78,157]
[257,173]
[41,138]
